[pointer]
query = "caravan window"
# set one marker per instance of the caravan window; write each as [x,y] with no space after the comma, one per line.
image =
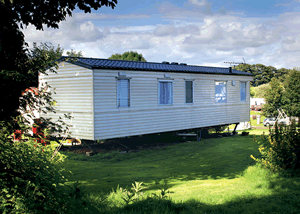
[220,91]
[243,91]
[123,93]
[165,92]
[188,91]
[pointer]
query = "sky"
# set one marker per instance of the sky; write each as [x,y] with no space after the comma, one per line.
[196,32]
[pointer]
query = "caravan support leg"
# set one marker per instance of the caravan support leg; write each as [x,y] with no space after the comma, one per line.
[234,132]
[199,135]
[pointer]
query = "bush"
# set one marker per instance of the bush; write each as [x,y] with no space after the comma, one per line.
[279,150]
[30,181]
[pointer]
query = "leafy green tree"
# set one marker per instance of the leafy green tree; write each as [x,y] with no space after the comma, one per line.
[274,98]
[262,74]
[18,72]
[130,56]
[261,90]
[282,74]
[74,54]
[252,92]
[39,54]
[292,94]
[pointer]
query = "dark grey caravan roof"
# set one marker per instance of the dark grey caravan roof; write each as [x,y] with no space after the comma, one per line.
[97,63]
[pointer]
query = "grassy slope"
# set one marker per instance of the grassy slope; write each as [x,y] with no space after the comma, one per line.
[214,176]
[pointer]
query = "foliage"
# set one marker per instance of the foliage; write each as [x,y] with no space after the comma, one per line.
[45,52]
[274,97]
[262,74]
[259,91]
[74,54]
[130,56]
[18,70]
[278,149]
[30,181]
[50,13]
[252,91]
[293,93]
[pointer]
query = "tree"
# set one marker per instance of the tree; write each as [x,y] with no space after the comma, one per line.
[37,12]
[259,91]
[274,98]
[74,54]
[262,74]
[292,94]
[130,56]
[18,71]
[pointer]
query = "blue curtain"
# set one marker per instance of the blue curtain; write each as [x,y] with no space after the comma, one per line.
[123,93]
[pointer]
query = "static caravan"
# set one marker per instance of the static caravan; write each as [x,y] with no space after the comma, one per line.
[117,98]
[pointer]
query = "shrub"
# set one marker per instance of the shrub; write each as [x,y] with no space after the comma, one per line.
[30,181]
[279,150]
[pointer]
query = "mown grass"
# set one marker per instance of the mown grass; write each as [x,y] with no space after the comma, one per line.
[214,175]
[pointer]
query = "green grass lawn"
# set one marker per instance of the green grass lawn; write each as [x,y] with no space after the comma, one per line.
[214,175]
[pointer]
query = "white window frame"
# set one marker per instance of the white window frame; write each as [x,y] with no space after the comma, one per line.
[129,93]
[215,90]
[172,93]
[245,91]
[188,80]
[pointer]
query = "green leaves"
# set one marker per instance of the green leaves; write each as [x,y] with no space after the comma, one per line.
[292,85]
[274,98]
[130,56]
[262,74]
[278,150]
[29,182]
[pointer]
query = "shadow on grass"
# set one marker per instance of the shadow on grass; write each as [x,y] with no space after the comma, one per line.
[284,199]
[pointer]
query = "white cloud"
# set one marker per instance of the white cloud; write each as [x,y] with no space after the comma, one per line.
[99,16]
[200,3]
[204,40]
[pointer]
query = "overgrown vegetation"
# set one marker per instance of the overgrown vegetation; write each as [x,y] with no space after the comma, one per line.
[280,150]
[30,181]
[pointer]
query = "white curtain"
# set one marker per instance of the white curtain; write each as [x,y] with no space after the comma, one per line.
[123,93]
[165,90]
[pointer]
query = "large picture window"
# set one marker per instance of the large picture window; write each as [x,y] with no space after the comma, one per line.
[188,91]
[243,91]
[123,93]
[165,92]
[220,91]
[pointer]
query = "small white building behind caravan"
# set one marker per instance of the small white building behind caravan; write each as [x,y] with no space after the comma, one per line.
[117,98]
[257,101]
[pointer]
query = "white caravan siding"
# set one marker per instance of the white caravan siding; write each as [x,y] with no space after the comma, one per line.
[74,94]
[145,116]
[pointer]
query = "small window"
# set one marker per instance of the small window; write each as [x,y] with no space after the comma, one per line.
[243,91]
[221,91]
[188,91]
[165,92]
[123,93]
